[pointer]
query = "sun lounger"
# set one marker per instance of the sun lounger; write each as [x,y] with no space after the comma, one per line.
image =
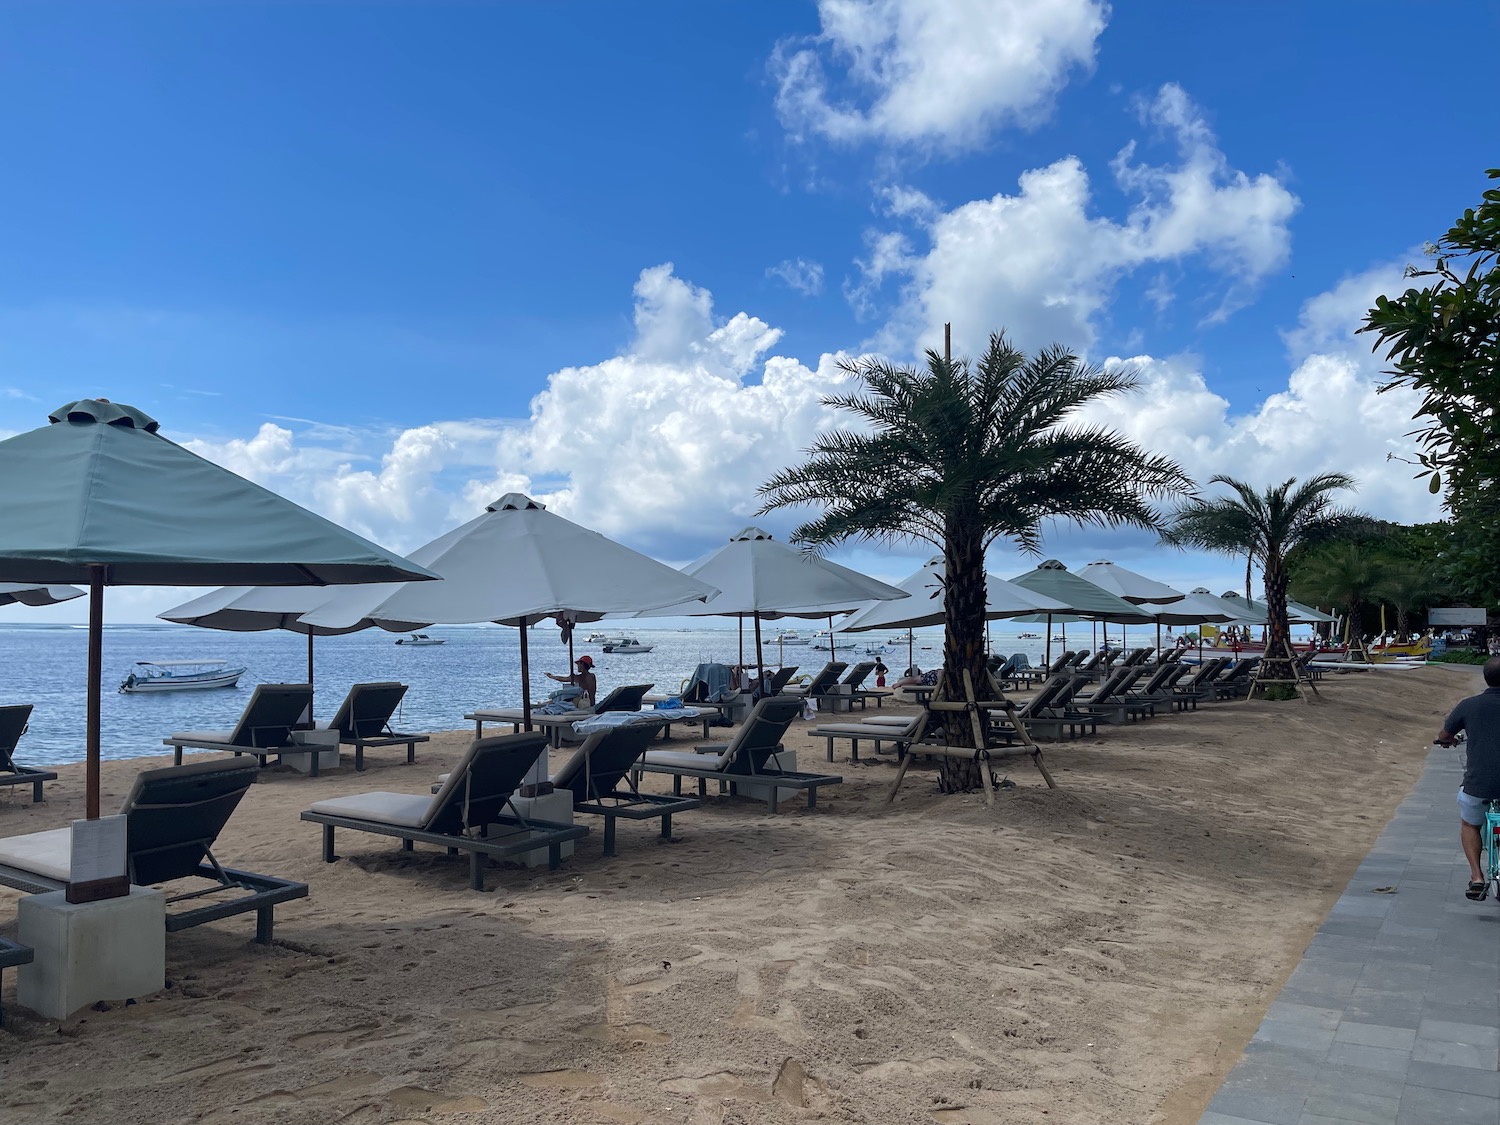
[899,734]
[173,817]
[463,814]
[1157,691]
[1047,714]
[602,765]
[13,721]
[364,719]
[775,682]
[265,727]
[744,758]
[624,698]
[12,953]
[1111,701]
[820,685]
[1235,683]
[1198,687]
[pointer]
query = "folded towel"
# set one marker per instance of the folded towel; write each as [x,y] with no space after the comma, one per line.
[611,719]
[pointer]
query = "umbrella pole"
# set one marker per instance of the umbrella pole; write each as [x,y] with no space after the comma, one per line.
[1049,641]
[525,680]
[831,655]
[310,723]
[742,642]
[760,663]
[96,673]
[911,658]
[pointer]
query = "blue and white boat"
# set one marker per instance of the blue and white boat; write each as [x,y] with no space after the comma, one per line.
[180,675]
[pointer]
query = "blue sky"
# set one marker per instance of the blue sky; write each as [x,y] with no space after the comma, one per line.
[343,247]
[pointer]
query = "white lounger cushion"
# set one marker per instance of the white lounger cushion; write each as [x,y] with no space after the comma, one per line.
[204,736]
[408,810]
[49,854]
[685,758]
[890,720]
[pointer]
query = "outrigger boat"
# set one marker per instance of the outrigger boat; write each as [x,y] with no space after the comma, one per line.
[180,675]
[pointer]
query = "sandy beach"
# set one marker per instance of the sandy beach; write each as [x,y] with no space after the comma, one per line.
[1099,952]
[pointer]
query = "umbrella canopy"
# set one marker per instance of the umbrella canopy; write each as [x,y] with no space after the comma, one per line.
[12,592]
[99,495]
[1307,615]
[1195,608]
[925,603]
[100,487]
[1245,612]
[1082,598]
[513,565]
[759,577]
[1128,585]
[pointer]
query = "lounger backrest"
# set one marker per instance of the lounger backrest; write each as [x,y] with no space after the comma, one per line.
[483,781]
[1111,685]
[1095,660]
[1130,675]
[367,709]
[1178,671]
[603,760]
[761,734]
[174,815]
[858,674]
[1079,657]
[1158,680]
[1061,662]
[1067,691]
[13,720]
[1044,695]
[826,678]
[273,710]
[627,697]
[779,681]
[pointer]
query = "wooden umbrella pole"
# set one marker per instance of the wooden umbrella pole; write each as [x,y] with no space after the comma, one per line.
[742,642]
[310,722]
[911,653]
[96,673]
[831,654]
[1048,657]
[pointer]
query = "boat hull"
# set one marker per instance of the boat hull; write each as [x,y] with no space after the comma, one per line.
[205,683]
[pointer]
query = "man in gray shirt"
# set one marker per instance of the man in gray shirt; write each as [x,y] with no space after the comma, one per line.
[1479,716]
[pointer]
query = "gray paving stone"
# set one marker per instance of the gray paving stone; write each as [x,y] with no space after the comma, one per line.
[1381,1059]
[1319,1119]
[1272,1109]
[1371,1109]
[1376,1035]
[1294,1035]
[1475,1035]
[1305,1014]
[1464,1079]
[1369,1005]
[1422,1105]
[1212,1118]
[1454,1054]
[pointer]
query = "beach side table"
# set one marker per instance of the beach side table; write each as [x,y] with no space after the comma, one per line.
[84,952]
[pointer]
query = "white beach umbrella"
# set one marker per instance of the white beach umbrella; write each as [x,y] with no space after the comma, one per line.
[256,609]
[12,592]
[1083,598]
[759,577]
[1196,608]
[1131,587]
[515,564]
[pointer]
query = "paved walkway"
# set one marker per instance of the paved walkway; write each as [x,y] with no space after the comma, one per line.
[1393,1016]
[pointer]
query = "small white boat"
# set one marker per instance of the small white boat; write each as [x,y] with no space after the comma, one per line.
[1029,636]
[626,644]
[789,638]
[421,639]
[179,675]
[603,639]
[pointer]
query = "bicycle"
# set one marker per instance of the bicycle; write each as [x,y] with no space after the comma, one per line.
[1489,841]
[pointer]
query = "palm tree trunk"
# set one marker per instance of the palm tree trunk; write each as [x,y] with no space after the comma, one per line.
[1278,631]
[1356,629]
[963,648]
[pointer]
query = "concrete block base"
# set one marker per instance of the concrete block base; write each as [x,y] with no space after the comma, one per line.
[557,807]
[327,743]
[786,760]
[114,949]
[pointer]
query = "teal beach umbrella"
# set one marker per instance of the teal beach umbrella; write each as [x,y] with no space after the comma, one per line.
[99,497]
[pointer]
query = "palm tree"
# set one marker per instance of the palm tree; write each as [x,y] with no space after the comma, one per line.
[964,454]
[1266,526]
[1347,575]
[1408,586]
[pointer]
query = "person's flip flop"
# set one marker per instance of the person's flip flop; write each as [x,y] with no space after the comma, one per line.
[1476,892]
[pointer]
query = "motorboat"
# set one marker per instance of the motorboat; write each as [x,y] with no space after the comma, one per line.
[1029,636]
[421,639]
[789,638]
[604,639]
[627,644]
[179,675]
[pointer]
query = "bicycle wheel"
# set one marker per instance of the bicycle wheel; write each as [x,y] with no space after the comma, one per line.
[1492,849]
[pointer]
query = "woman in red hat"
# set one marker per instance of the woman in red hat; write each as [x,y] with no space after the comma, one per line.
[583,679]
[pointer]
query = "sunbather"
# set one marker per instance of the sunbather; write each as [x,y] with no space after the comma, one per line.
[583,679]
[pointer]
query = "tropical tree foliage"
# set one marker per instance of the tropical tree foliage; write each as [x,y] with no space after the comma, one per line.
[963,454]
[1266,525]
[1347,575]
[1443,340]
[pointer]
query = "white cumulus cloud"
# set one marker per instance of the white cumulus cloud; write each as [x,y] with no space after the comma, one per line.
[799,274]
[945,73]
[1046,265]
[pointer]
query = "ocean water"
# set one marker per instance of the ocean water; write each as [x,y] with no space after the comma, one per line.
[478,666]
